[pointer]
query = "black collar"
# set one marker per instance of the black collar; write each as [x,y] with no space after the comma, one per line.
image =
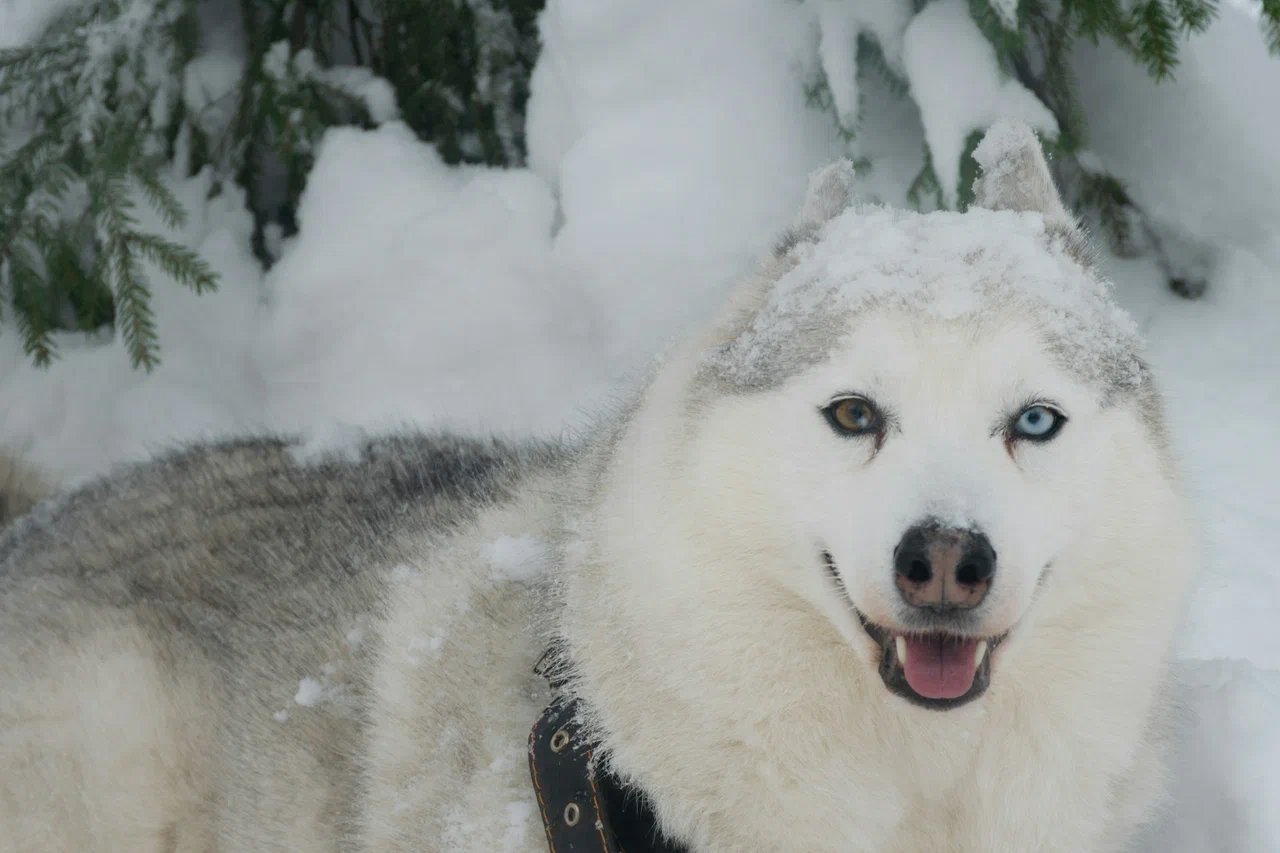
[586,809]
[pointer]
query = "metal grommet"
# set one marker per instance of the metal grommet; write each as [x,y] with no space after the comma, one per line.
[559,740]
[572,814]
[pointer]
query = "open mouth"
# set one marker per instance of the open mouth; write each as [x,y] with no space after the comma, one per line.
[934,669]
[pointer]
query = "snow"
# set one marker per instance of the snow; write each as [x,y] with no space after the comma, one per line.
[1007,10]
[956,81]
[358,82]
[838,50]
[91,408]
[356,636]
[362,84]
[517,558]
[1216,361]
[518,814]
[22,20]
[419,645]
[669,145]
[329,442]
[310,692]
[327,688]
[441,280]
[678,138]
[1224,101]
[839,24]
[944,263]
[208,90]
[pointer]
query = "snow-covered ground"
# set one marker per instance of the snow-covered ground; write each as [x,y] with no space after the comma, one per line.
[669,145]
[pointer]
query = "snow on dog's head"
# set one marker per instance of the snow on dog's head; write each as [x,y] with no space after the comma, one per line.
[917,462]
[925,408]
[1017,245]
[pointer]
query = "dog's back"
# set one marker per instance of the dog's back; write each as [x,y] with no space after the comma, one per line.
[187,640]
[21,487]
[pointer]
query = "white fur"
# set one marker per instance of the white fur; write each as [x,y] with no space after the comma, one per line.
[757,720]
[679,560]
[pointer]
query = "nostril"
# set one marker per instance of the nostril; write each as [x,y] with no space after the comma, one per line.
[978,564]
[919,571]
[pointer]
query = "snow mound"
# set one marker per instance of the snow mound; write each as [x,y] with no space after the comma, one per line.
[840,23]
[1228,748]
[957,82]
[944,264]
[23,20]
[420,293]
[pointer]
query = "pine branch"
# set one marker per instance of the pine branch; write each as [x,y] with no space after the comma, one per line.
[159,196]
[1007,42]
[134,318]
[1270,21]
[32,320]
[180,263]
[1195,15]
[1106,196]
[1156,38]
[926,184]
[871,57]
[968,170]
[97,92]
[1095,18]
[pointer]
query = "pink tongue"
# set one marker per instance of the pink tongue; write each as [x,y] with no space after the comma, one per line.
[939,668]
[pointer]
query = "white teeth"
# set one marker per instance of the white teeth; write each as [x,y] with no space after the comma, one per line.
[900,644]
[982,653]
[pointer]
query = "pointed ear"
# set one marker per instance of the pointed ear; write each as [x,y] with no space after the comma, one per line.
[830,193]
[1015,175]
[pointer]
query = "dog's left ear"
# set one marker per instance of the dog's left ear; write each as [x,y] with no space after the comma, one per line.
[830,193]
[1015,175]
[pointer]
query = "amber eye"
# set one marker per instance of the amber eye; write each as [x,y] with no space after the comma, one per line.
[854,416]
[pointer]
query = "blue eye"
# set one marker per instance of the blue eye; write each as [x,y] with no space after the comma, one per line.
[1037,423]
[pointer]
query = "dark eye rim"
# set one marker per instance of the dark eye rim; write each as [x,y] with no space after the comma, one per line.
[829,412]
[1060,420]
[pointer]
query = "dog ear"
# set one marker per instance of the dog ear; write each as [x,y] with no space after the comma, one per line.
[1015,175]
[830,194]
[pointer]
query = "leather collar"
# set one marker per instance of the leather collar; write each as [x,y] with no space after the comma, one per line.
[584,808]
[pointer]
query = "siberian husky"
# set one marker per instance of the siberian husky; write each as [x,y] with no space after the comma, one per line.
[887,557]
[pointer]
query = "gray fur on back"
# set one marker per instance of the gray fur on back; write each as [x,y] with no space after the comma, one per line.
[268,572]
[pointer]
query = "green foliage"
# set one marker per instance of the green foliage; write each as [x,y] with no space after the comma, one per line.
[1271,24]
[925,192]
[871,58]
[93,121]
[462,70]
[86,112]
[1156,37]
[968,171]
[1105,196]
[817,94]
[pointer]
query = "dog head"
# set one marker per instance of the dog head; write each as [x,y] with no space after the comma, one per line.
[914,418]
[915,466]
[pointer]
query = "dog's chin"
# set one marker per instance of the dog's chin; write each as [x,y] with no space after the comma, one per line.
[933,669]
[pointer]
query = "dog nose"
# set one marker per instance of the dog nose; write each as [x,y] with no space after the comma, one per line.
[941,568]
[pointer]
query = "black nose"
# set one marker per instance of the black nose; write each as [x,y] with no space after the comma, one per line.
[944,568]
